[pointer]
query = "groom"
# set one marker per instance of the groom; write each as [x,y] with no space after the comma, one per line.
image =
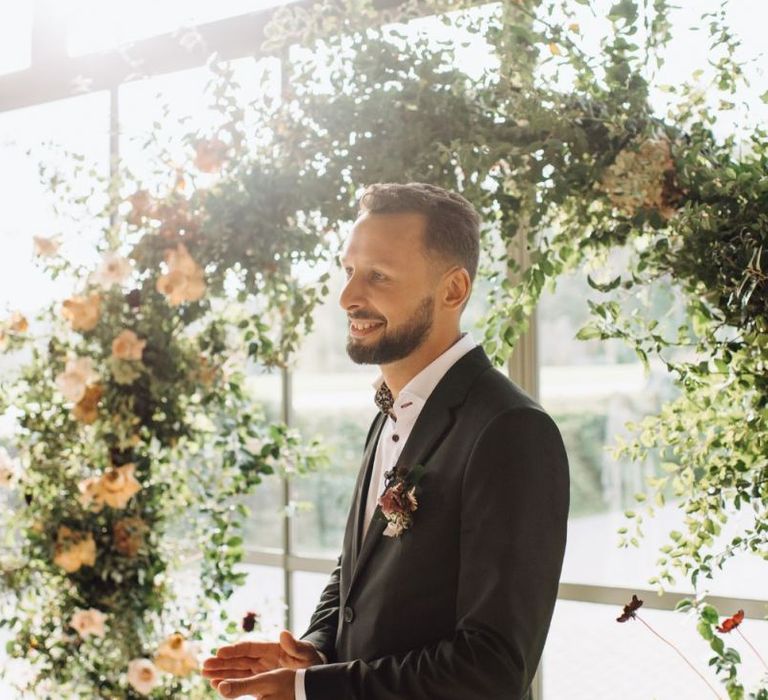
[448,575]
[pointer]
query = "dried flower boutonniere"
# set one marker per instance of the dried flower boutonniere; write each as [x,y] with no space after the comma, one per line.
[398,502]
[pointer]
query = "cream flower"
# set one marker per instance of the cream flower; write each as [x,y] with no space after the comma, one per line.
[127,346]
[118,485]
[83,313]
[46,247]
[143,676]
[184,281]
[176,655]
[114,269]
[74,549]
[8,469]
[87,622]
[77,375]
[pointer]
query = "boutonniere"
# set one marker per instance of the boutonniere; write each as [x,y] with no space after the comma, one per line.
[398,502]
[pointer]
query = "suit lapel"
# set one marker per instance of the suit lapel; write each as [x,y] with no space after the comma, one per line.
[433,423]
[361,489]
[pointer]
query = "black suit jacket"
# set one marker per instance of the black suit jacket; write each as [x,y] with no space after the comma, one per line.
[459,606]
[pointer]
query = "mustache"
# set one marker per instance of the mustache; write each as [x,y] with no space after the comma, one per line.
[362,317]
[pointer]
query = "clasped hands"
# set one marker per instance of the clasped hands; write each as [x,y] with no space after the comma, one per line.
[266,670]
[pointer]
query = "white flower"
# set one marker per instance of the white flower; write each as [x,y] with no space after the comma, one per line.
[114,269]
[143,676]
[8,469]
[77,375]
[89,621]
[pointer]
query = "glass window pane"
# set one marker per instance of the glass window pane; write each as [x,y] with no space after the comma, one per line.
[79,125]
[307,587]
[592,389]
[15,36]
[96,25]
[590,656]
[333,399]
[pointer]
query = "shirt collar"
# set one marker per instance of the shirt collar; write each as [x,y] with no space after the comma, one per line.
[423,384]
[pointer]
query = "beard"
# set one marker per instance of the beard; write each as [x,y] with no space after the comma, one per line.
[399,343]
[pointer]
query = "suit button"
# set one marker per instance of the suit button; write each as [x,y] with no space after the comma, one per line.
[349,614]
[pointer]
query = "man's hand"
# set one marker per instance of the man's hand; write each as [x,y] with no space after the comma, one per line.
[272,685]
[245,660]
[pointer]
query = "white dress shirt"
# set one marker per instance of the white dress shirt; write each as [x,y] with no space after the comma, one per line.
[394,435]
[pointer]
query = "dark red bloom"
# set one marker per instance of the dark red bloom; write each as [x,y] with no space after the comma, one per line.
[731,623]
[249,621]
[630,609]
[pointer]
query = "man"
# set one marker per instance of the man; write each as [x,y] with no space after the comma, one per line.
[448,576]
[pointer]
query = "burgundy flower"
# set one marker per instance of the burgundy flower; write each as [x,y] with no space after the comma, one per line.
[249,621]
[630,609]
[398,505]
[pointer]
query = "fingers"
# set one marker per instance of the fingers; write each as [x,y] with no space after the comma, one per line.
[217,664]
[250,649]
[235,688]
[214,681]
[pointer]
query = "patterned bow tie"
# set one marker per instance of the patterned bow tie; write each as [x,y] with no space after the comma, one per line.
[385,401]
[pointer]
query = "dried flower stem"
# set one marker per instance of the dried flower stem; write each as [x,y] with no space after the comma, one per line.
[757,653]
[682,656]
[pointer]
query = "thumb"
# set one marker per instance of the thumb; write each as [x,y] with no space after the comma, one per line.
[294,647]
[235,688]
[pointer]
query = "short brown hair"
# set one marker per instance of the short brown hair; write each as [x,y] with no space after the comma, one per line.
[453,225]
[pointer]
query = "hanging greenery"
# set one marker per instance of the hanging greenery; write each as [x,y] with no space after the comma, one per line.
[554,144]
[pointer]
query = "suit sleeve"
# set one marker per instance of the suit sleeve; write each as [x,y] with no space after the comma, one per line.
[514,512]
[325,620]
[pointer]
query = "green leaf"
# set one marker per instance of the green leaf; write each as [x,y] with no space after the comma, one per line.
[705,630]
[710,614]
[589,333]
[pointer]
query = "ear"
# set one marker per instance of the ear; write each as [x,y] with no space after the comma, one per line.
[456,288]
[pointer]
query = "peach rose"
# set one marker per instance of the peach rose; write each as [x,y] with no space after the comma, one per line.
[46,247]
[74,549]
[87,622]
[118,485]
[83,313]
[210,155]
[128,536]
[86,410]
[142,205]
[77,375]
[185,280]
[114,269]
[127,346]
[90,494]
[143,676]
[8,469]
[18,323]
[176,655]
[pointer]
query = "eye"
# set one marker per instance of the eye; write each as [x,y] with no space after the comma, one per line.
[378,276]
[347,272]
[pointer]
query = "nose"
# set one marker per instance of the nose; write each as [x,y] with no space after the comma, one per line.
[351,296]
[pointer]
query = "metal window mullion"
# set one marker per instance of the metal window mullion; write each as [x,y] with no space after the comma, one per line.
[287,414]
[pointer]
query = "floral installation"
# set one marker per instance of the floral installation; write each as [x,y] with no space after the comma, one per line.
[398,502]
[136,428]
